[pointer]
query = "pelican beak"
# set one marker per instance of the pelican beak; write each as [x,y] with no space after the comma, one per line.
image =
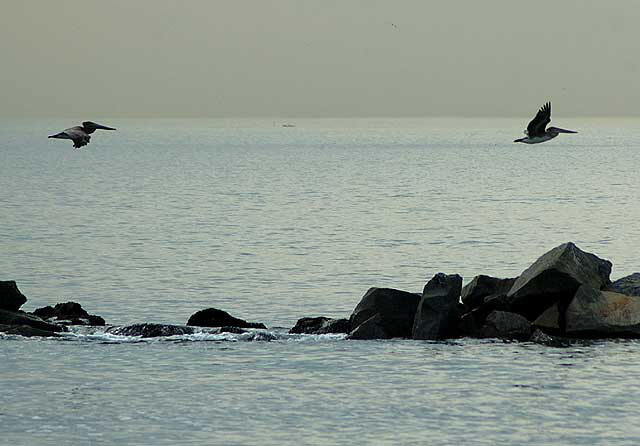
[518,140]
[103,127]
[565,131]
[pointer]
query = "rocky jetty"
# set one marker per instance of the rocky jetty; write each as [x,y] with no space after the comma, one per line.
[565,296]
[213,317]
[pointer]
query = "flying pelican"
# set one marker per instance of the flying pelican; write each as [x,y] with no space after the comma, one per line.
[536,129]
[80,133]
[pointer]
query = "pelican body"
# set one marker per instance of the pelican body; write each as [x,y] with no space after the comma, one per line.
[536,132]
[80,133]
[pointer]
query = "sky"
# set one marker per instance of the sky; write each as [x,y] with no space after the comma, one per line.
[321,58]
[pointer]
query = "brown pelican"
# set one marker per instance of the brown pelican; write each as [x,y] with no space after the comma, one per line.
[536,129]
[80,133]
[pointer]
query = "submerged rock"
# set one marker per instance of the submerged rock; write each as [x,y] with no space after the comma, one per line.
[147,330]
[212,317]
[505,325]
[68,313]
[321,325]
[482,287]
[22,318]
[539,337]
[438,313]
[10,296]
[554,277]
[629,285]
[27,331]
[396,310]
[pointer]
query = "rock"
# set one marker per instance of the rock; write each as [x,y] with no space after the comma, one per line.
[234,330]
[68,313]
[474,293]
[592,314]
[150,330]
[555,277]
[438,314]
[505,325]
[397,310]
[321,325]
[212,317]
[22,318]
[629,285]
[472,321]
[539,337]
[372,328]
[25,330]
[10,296]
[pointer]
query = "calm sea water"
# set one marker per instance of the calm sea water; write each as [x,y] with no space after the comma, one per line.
[165,217]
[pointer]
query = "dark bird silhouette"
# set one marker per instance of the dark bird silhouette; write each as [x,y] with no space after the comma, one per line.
[536,132]
[80,133]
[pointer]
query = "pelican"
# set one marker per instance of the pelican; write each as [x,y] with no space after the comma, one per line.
[536,129]
[80,133]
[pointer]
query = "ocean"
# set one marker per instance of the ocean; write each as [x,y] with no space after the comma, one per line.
[162,218]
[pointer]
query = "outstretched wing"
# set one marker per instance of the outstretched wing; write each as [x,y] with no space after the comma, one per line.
[538,124]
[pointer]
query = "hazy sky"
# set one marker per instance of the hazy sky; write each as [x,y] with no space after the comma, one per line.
[296,58]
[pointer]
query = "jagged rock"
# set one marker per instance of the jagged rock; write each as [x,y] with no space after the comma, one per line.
[472,321]
[554,277]
[68,313]
[438,312]
[150,330]
[397,310]
[22,318]
[212,317]
[629,285]
[234,330]
[539,337]
[481,287]
[321,325]
[372,328]
[25,330]
[10,296]
[594,313]
[505,325]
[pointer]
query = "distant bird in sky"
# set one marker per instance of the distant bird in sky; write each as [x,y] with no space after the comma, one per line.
[80,133]
[536,129]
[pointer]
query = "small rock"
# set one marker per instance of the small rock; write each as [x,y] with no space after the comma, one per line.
[629,285]
[505,325]
[396,308]
[10,296]
[147,330]
[212,317]
[320,325]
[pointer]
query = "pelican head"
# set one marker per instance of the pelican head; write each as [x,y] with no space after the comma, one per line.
[90,127]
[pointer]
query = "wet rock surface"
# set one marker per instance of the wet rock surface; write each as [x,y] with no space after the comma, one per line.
[396,310]
[321,325]
[10,296]
[213,317]
[438,313]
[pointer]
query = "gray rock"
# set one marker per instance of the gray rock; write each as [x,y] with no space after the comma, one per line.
[555,277]
[321,325]
[397,310]
[68,313]
[505,325]
[22,318]
[10,296]
[150,330]
[629,285]
[25,330]
[372,328]
[438,313]
[481,287]
[212,317]
[539,337]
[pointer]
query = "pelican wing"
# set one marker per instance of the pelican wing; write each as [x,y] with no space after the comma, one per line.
[538,124]
[78,136]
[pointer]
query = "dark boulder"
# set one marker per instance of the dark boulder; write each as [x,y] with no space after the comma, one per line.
[629,285]
[212,317]
[438,313]
[320,325]
[472,321]
[68,313]
[481,287]
[234,330]
[150,330]
[10,296]
[555,277]
[372,328]
[22,318]
[25,330]
[505,325]
[397,310]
